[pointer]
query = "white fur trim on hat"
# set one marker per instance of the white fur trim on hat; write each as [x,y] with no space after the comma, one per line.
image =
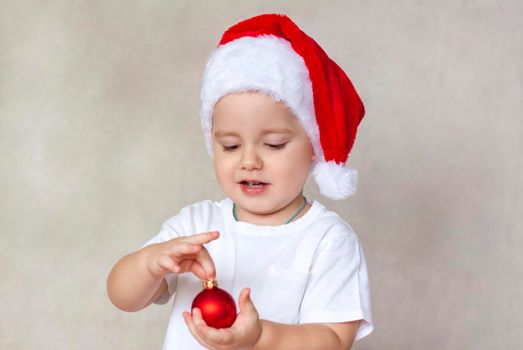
[266,64]
[334,180]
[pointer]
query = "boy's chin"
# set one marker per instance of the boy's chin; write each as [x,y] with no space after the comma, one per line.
[260,207]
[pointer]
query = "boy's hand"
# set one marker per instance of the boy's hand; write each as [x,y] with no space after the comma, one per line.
[184,254]
[243,334]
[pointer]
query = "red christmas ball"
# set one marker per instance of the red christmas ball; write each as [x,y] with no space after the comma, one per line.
[217,306]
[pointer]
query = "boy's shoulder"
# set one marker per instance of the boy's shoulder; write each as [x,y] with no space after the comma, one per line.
[333,223]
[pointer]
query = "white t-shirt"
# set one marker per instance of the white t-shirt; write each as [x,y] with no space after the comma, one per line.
[311,270]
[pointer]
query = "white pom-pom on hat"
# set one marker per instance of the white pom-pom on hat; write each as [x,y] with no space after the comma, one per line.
[334,180]
[271,54]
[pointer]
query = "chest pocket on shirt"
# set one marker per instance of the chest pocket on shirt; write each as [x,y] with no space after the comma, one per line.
[281,292]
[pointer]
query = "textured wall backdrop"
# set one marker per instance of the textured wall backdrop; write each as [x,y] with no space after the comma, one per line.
[100,143]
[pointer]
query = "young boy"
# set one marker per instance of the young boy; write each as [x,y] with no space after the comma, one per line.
[274,107]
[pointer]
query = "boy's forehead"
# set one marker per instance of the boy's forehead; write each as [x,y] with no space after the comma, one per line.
[233,125]
[254,113]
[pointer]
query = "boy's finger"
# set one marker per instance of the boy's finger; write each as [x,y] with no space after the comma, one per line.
[201,328]
[184,248]
[166,262]
[202,238]
[198,271]
[189,321]
[207,263]
[245,301]
[210,334]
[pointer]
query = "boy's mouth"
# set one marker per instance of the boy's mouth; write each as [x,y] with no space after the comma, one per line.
[253,183]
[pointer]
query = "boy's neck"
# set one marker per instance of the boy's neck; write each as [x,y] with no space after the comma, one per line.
[293,212]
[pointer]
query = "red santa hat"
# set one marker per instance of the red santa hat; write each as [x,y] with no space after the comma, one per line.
[271,54]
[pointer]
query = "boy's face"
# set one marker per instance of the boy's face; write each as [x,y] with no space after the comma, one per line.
[255,138]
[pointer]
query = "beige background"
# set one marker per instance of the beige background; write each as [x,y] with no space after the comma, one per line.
[100,143]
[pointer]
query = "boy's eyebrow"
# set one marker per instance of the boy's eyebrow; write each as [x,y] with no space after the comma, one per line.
[220,133]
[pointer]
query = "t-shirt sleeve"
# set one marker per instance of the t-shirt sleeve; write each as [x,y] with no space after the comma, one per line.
[338,288]
[172,228]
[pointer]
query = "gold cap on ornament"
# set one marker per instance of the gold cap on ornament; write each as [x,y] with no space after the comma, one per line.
[209,284]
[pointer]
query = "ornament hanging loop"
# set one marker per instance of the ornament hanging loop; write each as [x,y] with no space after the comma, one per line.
[209,284]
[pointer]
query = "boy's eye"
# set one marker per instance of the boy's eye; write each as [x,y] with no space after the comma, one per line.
[280,146]
[230,148]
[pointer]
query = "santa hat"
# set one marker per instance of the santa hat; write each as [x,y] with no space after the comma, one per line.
[271,54]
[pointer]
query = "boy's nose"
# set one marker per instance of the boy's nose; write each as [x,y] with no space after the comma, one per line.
[251,160]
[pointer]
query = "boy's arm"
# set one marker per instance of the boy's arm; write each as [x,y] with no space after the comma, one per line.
[323,336]
[131,285]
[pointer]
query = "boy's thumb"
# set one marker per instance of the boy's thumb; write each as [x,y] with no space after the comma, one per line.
[245,301]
